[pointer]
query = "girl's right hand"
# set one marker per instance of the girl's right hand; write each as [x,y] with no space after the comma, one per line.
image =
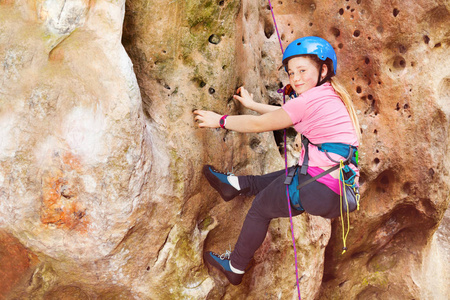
[245,98]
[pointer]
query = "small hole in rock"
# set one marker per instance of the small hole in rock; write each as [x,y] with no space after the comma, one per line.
[341,11]
[356,33]
[268,29]
[214,39]
[384,180]
[367,60]
[340,46]
[437,45]
[358,89]
[396,12]
[254,143]
[426,39]
[399,63]
[376,161]
[431,172]
[336,32]
[211,90]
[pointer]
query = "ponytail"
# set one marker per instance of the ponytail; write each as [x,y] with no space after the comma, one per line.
[345,97]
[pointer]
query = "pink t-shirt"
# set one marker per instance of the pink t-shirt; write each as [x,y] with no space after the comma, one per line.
[321,116]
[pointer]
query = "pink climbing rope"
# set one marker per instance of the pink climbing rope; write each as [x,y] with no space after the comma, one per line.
[285,165]
[276,27]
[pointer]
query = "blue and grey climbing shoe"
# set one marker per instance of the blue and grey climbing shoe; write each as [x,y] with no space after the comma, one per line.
[222,263]
[220,183]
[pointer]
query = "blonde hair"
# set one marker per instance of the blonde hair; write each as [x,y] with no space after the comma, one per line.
[345,97]
[340,90]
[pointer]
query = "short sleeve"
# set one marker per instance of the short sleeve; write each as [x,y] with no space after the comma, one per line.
[295,109]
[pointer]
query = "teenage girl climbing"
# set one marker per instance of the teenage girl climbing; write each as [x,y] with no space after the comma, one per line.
[322,111]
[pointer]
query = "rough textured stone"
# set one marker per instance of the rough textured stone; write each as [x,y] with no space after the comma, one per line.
[101,193]
[16,262]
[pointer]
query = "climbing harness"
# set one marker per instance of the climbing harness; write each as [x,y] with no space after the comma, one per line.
[346,178]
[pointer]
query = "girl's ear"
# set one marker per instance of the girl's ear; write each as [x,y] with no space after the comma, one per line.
[324,71]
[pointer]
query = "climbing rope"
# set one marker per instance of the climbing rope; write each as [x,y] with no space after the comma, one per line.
[342,188]
[343,192]
[285,164]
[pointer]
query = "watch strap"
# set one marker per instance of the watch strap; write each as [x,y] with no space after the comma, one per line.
[223,121]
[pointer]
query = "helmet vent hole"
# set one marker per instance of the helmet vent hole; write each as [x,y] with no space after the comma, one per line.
[298,44]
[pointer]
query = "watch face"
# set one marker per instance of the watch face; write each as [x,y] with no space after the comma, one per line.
[222,121]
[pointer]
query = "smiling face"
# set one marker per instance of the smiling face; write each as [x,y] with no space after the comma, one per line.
[304,73]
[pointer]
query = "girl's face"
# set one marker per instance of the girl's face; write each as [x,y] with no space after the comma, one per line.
[303,74]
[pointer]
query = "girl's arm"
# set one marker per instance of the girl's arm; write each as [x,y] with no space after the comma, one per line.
[247,101]
[274,120]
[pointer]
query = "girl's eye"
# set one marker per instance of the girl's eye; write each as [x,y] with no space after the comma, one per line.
[291,74]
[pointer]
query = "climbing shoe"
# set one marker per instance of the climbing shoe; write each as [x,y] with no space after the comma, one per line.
[222,263]
[220,183]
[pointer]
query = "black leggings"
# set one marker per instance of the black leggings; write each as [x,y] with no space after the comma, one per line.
[271,202]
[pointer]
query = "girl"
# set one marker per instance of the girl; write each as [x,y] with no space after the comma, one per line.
[323,113]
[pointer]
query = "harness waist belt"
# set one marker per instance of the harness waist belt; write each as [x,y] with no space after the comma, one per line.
[348,151]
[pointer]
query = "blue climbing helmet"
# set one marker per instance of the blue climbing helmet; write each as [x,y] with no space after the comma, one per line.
[310,45]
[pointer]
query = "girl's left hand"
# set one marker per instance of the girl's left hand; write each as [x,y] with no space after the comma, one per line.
[207,118]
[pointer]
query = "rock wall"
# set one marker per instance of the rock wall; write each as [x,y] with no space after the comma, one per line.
[101,193]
